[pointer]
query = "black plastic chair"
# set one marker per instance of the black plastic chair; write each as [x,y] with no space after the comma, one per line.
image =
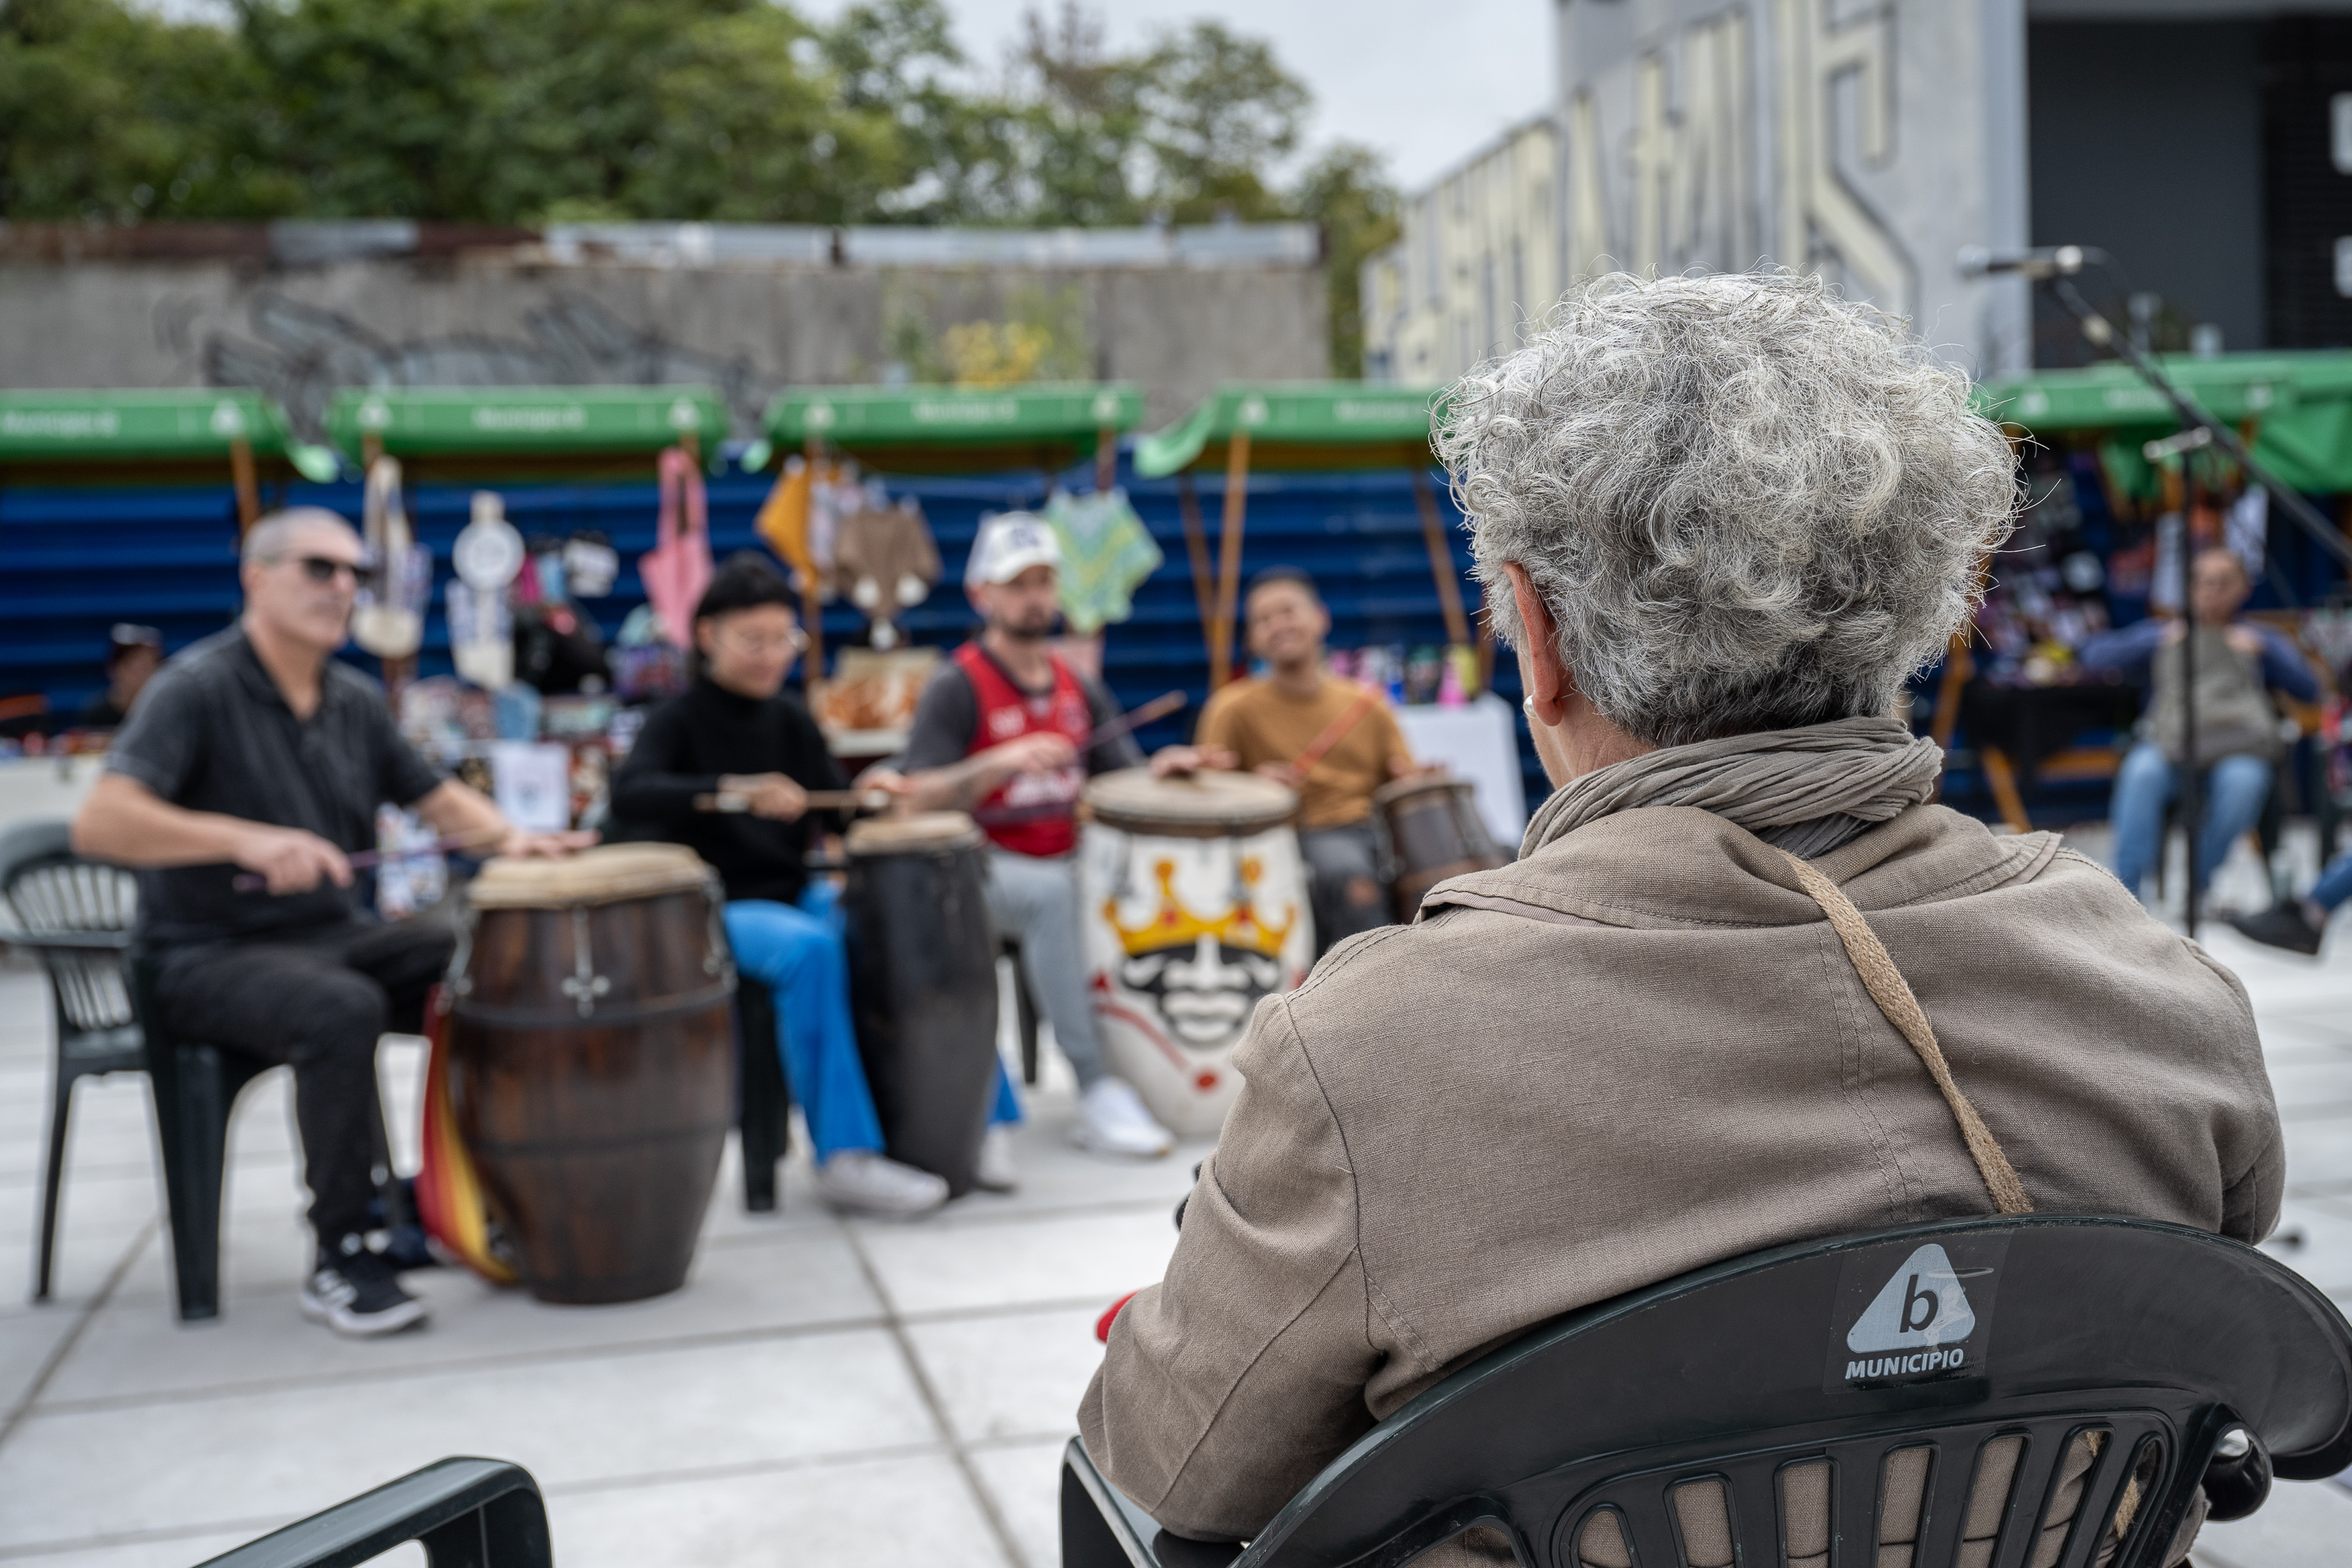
[466,1513]
[76,916]
[763,1100]
[1025,1012]
[1772,1409]
[196,1086]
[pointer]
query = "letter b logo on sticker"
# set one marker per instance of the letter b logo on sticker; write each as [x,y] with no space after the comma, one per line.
[1908,1316]
[1921,1307]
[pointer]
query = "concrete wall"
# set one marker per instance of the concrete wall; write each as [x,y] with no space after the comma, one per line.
[499,316]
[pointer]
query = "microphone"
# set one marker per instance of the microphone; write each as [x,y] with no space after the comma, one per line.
[2047,261]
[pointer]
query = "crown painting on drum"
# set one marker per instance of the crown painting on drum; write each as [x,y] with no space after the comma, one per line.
[1173,925]
[1205,977]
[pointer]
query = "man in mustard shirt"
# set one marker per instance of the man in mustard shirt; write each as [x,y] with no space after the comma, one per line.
[1264,724]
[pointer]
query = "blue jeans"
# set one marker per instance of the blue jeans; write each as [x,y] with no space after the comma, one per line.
[795,951]
[2334,884]
[2234,791]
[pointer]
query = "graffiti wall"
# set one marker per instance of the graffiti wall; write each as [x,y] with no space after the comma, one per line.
[493,318]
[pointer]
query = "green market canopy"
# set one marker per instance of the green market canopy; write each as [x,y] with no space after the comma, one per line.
[95,435]
[951,429]
[2300,406]
[485,427]
[1298,425]
[1295,426]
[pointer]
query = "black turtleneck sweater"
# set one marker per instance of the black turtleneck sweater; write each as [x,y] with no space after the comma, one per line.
[687,744]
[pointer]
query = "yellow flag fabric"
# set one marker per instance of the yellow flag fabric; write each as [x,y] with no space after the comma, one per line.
[783,521]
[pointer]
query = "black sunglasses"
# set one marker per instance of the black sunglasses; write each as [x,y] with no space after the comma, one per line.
[323,569]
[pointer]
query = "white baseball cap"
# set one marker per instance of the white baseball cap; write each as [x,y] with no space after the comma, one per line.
[1009,545]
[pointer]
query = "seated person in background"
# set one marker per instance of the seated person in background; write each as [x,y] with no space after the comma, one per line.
[133,654]
[1003,731]
[2297,924]
[738,734]
[2239,664]
[1641,1048]
[257,751]
[1263,725]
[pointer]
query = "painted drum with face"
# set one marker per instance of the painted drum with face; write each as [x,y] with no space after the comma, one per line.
[1195,906]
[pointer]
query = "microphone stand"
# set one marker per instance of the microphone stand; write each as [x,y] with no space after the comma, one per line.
[2194,420]
[2102,333]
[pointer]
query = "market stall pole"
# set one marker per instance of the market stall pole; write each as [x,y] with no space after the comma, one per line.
[1293,426]
[158,438]
[1045,425]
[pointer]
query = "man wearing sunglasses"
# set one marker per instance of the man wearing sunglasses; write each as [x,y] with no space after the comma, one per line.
[256,752]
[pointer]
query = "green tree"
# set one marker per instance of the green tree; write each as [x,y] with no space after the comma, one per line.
[1348,191]
[524,112]
[112,113]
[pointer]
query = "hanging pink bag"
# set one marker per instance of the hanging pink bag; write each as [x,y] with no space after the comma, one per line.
[677,568]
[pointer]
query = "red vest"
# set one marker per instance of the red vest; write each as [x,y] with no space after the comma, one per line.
[1029,814]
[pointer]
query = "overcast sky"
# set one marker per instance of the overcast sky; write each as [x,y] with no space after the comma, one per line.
[1425,83]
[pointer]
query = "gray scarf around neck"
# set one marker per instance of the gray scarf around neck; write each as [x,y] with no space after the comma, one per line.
[1806,790]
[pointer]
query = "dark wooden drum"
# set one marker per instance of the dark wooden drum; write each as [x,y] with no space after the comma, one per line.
[922,985]
[1430,830]
[592,1063]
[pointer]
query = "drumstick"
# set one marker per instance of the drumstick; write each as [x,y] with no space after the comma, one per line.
[733,801]
[254,882]
[1333,733]
[1167,702]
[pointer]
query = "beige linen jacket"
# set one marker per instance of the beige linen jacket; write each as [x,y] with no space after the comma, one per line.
[1638,1050]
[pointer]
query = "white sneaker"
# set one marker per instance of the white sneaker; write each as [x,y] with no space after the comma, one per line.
[865,1182]
[997,1172]
[1112,1121]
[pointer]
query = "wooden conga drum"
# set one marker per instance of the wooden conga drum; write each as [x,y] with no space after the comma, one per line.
[1430,830]
[922,986]
[592,1063]
[1195,905]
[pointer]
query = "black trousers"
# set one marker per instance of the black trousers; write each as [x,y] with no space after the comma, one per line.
[315,1001]
[1343,882]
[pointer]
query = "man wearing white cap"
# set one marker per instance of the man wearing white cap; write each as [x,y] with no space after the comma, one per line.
[1004,732]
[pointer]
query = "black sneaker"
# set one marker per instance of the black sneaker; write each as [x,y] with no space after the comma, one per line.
[357,1293]
[2282,927]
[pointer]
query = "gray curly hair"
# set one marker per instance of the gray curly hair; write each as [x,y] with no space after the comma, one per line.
[1748,503]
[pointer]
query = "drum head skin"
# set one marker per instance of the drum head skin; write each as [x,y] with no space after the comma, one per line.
[608,874]
[1199,804]
[1405,789]
[925,833]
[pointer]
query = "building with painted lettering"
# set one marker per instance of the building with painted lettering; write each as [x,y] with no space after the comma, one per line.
[1478,244]
[2198,142]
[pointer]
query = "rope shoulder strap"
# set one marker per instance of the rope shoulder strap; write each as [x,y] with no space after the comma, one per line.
[1893,993]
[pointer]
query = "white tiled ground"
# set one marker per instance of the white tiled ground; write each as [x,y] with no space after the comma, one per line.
[821,1393]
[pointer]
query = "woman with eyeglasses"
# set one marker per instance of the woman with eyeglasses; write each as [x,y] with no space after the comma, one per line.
[725,769]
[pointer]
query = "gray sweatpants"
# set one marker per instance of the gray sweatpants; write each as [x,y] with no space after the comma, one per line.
[1034,901]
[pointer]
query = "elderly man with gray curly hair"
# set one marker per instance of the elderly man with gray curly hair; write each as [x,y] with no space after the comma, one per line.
[1721,520]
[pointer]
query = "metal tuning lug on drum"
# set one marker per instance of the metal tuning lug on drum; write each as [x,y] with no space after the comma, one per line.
[585,984]
[721,960]
[459,983]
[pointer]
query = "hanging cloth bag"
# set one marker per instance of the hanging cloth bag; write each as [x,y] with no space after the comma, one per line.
[678,569]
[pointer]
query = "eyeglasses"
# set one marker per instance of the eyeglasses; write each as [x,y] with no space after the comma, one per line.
[325,568]
[792,641]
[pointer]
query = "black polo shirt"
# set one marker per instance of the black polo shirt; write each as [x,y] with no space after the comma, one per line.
[211,732]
